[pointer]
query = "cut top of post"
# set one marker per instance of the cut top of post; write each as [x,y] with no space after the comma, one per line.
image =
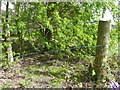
[105,21]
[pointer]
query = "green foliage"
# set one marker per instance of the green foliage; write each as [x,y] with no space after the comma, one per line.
[8,85]
[58,26]
[58,71]
[68,22]
[56,82]
[25,84]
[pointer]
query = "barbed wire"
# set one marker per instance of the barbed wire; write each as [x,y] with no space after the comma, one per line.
[33,53]
[37,52]
[58,26]
[2,39]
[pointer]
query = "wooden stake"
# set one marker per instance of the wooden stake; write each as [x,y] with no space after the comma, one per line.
[100,63]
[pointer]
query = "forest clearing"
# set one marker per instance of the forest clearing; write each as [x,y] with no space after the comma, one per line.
[58,45]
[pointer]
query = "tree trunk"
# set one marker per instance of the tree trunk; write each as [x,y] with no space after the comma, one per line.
[6,37]
[100,64]
[19,30]
[48,33]
[9,49]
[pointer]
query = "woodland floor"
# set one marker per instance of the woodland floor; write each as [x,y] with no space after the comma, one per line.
[45,71]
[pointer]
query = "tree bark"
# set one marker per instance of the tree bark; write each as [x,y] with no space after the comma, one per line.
[7,36]
[19,30]
[48,33]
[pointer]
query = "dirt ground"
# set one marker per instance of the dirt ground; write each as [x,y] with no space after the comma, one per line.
[45,71]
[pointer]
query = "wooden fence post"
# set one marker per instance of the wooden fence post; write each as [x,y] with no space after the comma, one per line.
[100,63]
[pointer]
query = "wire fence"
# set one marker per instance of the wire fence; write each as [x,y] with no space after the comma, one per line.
[56,26]
[111,36]
[59,26]
[58,50]
[33,53]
